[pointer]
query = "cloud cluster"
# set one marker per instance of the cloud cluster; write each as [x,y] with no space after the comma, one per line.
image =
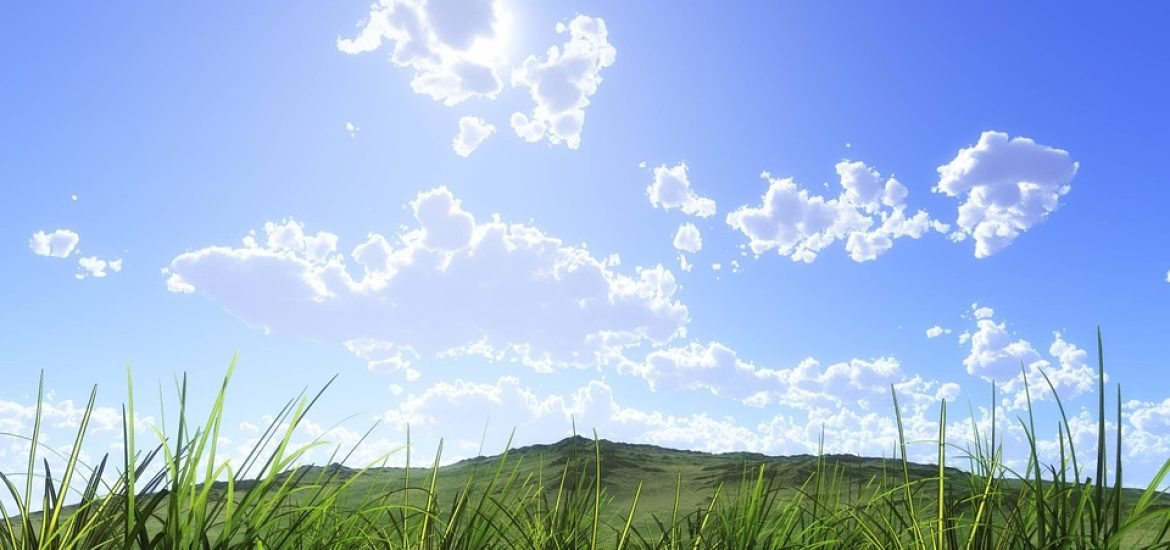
[717,368]
[472,132]
[453,46]
[58,244]
[1007,186]
[995,355]
[496,290]
[442,409]
[562,82]
[92,266]
[868,214]
[671,188]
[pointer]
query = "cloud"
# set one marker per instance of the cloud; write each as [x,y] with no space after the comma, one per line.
[450,286]
[936,331]
[58,244]
[799,225]
[442,410]
[717,368]
[96,267]
[1007,186]
[688,238]
[351,129]
[996,355]
[562,83]
[453,46]
[472,132]
[671,189]
[982,312]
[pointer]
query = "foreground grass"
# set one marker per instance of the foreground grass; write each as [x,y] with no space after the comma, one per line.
[578,493]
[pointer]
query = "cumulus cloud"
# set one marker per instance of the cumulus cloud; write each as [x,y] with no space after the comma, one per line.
[453,46]
[936,331]
[562,83]
[58,244]
[996,355]
[351,129]
[92,266]
[688,238]
[671,189]
[869,214]
[450,286]
[1007,186]
[472,132]
[717,368]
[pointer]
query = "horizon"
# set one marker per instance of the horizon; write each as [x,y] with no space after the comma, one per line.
[710,228]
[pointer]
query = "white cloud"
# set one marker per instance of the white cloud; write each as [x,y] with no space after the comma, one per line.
[671,188]
[442,410]
[982,312]
[58,244]
[1147,434]
[451,285]
[472,132]
[454,46]
[1009,186]
[717,368]
[996,355]
[562,83]
[683,264]
[92,266]
[351,129]
[936,331]
[799,225]
[688,238]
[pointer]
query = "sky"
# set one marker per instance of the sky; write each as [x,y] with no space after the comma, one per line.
[697,225]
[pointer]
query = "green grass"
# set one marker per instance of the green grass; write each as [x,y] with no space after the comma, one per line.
[577,493]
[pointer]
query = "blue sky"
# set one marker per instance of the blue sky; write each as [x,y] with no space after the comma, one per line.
[1002,155]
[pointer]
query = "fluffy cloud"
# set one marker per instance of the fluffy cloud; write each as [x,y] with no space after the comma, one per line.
[936,331]
[58,244]
[799,225]
[1007,186]
[716,368]
[562,83]
[450,286]
[472,132]
[92,266]
[453,46]
[671,188]
[996,355]
[688,238]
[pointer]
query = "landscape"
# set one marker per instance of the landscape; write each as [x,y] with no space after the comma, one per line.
[503,274]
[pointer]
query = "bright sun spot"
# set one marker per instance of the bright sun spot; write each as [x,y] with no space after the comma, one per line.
[495,50]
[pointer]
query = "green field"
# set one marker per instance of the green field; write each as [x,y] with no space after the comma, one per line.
[576,493]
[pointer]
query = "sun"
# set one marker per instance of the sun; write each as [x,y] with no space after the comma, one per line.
[495,50]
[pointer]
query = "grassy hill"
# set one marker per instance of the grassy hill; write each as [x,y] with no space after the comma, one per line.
[575,493]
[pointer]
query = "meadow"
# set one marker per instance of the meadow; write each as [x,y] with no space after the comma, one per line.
[178,491]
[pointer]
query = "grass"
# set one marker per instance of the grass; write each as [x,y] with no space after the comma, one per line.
[577,493]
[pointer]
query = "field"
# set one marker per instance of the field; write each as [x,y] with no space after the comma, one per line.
[577,493]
